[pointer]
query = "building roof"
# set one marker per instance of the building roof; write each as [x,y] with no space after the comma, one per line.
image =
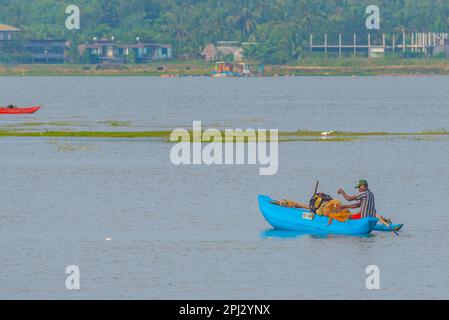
[143,45]
[4,27]
[210,51]
[228,43]
[99,44]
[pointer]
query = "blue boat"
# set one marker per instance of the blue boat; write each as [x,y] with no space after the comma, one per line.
[293,219]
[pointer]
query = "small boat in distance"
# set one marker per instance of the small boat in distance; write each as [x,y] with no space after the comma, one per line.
[230,69]
[18,110]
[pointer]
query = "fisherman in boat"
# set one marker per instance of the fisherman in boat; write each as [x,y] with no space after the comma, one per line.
[324,205]
[365,201]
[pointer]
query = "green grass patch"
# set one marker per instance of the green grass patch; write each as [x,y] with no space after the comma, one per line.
[87,134]
[302,135]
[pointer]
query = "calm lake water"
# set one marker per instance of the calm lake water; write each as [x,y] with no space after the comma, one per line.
[311,103]
[196,231]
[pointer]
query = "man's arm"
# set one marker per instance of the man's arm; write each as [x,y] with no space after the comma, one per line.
[347,197]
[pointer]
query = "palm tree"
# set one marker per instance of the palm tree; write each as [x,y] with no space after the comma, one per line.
[176,20]
[18,14]
[245,21]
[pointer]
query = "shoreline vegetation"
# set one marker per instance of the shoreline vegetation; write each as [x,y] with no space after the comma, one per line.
[302,135]
[307,66]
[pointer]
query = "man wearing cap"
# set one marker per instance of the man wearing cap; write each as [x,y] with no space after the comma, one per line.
[365,201]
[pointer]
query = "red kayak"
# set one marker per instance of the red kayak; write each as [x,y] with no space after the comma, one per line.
[30,110]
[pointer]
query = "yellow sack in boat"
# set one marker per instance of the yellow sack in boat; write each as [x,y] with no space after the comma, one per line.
[332,209]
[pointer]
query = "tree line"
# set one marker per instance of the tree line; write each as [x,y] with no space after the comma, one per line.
[278,29]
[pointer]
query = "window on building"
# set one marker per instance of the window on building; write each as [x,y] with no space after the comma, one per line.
[58,50]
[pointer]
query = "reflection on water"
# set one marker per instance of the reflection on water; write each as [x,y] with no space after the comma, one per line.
[287,234]
[281,234]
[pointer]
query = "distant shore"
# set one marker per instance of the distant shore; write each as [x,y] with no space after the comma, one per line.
[305,67]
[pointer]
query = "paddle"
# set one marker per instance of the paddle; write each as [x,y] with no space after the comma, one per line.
[316,188]
[380,218]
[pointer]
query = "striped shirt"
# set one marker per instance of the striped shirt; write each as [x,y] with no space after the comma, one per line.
[368,206]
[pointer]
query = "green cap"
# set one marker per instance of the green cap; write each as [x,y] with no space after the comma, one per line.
[362,183]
